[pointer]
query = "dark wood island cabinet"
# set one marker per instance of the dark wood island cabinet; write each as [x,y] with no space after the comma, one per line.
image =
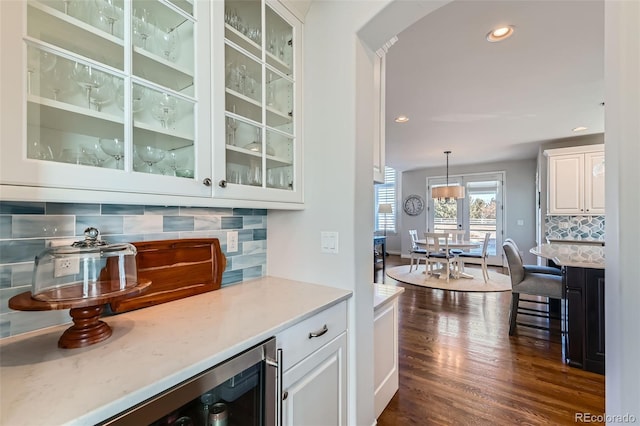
[583,276]
[584,317]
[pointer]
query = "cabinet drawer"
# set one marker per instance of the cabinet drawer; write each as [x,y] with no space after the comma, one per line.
[295,341]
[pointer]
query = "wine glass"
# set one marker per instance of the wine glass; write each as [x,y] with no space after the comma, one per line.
[138,97]
[232,127]
[39,151]
[113,147]
[164,109]
[143,26]
[59,81]
[151,155]
[172,161]
[168,43]
[88,78]
[102,95]
[108,13]
[38,61]
[95,154]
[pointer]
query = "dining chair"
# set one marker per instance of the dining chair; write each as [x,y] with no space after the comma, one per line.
[539,269]
[457,236]
[416,252]
[477,258]
[531,283]
[438,253]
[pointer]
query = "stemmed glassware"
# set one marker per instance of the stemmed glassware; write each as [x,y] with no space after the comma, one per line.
[168,42]
[143,26]
[102,95]
[164,109]
[108,13]
[113,147]
[151,155]
[40,61]
[172,161]
[232,127]
[88,78]
[59,81]
[138,97]
[95,154]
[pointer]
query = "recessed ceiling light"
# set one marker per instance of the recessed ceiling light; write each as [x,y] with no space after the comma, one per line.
[402,119]
[499,34]
[579,129]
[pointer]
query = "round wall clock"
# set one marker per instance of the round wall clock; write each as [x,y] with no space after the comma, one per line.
[413,205]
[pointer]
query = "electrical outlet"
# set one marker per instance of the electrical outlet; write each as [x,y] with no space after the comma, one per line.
[232,241]
[66,266]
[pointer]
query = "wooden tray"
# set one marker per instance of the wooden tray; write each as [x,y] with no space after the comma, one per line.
[176,269]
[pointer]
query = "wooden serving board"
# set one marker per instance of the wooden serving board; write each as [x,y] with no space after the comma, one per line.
[176,269]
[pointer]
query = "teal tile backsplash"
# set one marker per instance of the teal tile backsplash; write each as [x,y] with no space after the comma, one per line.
[582,228]
[28,228]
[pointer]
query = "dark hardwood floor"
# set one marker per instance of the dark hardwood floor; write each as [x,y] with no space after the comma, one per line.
[458,365]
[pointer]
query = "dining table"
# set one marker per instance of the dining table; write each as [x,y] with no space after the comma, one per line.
[456,245]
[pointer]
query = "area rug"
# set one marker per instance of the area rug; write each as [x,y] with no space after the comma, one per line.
[497,281]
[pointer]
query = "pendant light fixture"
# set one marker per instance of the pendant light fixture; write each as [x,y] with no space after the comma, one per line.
[447,193]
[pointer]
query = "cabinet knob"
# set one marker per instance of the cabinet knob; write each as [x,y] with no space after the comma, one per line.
[285,395]
[206,182]
[222,183]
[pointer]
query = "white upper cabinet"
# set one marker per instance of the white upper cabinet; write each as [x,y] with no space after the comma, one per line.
[256,111]
[576,180]
[137,100]
[106,95]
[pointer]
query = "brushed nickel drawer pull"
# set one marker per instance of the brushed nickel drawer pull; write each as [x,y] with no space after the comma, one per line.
[319,332]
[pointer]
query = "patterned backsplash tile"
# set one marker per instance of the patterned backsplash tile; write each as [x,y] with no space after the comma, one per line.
[582,228]
[28,228]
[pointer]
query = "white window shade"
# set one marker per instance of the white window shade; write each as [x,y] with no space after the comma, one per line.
[385,193]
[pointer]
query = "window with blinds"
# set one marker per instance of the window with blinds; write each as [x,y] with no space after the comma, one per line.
[386,194]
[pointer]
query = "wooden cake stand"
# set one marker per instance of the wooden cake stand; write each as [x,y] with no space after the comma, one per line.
[87,328]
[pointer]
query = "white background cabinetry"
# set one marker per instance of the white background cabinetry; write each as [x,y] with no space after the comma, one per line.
[315,369]
[576,180]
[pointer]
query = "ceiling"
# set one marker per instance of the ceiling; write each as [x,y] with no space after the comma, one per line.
[490,102]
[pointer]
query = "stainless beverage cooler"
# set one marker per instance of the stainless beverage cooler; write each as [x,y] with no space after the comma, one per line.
[238,392]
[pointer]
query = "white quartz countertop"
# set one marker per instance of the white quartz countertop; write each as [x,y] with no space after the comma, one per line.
[383,293]
[574,255]
[150,350]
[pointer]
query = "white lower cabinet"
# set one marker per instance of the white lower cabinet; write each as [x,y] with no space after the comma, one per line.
[385,354]
[314,385]
[314,391]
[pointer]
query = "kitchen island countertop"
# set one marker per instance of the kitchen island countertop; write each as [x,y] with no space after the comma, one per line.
[151,350]
[573,255]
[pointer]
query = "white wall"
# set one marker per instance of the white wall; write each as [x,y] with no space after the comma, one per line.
[622,151]
[519,200]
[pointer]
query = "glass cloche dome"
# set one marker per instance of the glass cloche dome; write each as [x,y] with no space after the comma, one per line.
[84,270]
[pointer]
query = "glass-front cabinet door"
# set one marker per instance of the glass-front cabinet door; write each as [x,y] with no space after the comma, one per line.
[257,110]
[107,95]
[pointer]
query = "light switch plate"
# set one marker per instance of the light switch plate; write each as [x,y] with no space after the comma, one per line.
[328,242]
[232,241]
